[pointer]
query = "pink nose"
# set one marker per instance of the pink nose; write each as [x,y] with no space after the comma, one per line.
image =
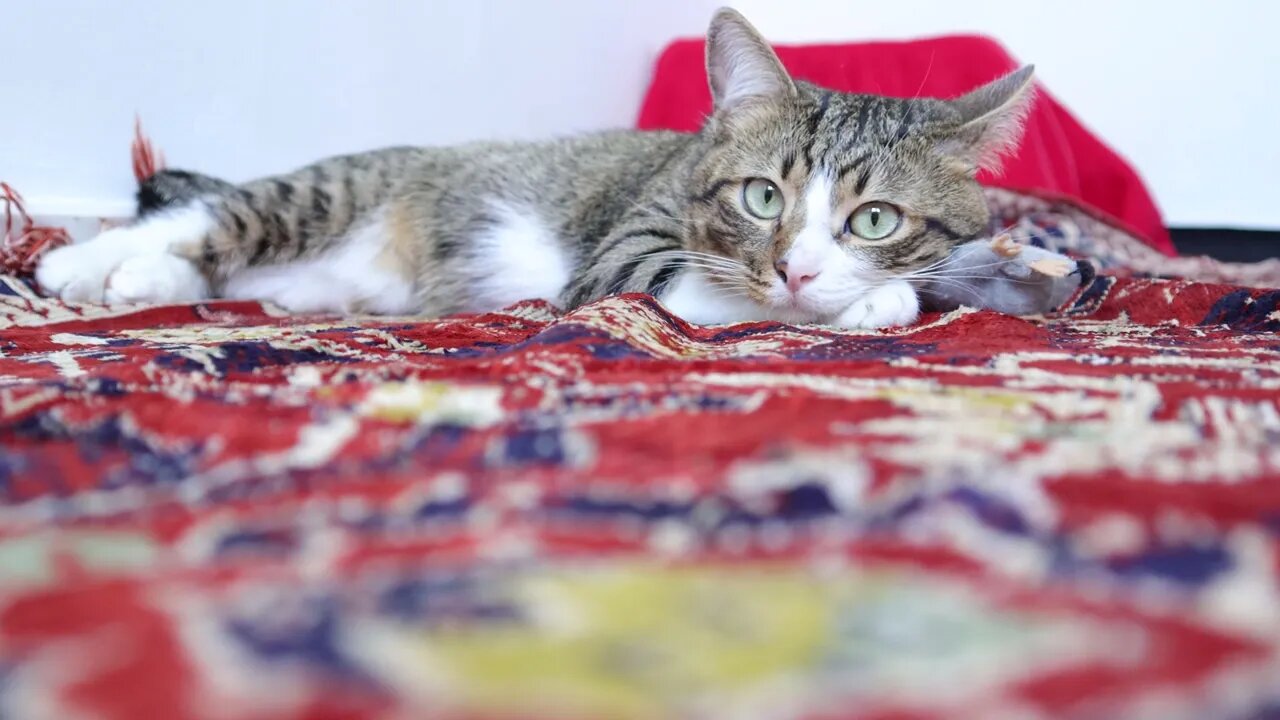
[795,279]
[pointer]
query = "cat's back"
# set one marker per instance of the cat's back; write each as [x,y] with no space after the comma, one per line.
[578,163]
[552,174]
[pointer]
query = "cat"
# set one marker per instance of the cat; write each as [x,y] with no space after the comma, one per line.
[792,203]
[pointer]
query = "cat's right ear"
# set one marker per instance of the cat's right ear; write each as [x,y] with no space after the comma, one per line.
[991,120]
[740,64]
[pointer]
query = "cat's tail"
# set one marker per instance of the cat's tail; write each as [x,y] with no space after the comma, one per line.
[167,188]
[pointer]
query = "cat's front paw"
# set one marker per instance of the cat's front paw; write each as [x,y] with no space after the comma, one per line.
[77,272]
[893,304]
[155,278]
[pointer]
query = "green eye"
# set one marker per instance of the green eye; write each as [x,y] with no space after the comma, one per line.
[874,221]
[762,198]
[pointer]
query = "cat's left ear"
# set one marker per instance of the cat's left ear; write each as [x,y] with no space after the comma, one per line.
[991,120]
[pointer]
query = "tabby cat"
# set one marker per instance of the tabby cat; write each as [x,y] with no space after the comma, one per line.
[793,203]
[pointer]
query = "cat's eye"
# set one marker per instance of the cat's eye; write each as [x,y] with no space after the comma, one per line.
[762,198]
[873,221]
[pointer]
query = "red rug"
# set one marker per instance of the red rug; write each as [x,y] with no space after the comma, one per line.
[219,511]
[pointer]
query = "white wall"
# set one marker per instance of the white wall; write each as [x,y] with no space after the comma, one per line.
[1187,90]
[240,88]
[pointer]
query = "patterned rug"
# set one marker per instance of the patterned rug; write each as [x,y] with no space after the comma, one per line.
[221,511]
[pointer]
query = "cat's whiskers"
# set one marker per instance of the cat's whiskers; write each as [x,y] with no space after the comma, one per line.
[945,278]
[949,281]
[959,282]
[953,259]
[946,261]
[711,270]
[708,256]
[726,280]
[720,276]
[935,270]
[938,265]
[968,271]
[699,262]
[726,289]
[706,262]
[703,262]
[970,290]
[721,290]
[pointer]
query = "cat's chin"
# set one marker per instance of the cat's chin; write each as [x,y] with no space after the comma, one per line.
[799,310]
[795,314]
[794,318]
[696,299]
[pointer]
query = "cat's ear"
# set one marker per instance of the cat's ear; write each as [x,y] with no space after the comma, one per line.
[740,64]
[991,120]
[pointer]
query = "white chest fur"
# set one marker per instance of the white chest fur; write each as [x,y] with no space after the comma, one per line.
[697,300]
[518,258]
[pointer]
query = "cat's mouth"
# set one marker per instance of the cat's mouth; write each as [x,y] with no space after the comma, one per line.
[812,303]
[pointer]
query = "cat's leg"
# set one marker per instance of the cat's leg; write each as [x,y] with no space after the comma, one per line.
[150,262]
[154,278]
[892,304]
[364,271]
[296,242]
[641,254]
[136,263]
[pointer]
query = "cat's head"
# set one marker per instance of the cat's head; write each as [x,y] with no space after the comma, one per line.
[818,195]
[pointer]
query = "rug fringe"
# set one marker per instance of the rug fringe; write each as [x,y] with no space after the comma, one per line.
[24,241]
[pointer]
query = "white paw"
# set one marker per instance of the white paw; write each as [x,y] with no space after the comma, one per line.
[78,272]
[893,304]
[155,279]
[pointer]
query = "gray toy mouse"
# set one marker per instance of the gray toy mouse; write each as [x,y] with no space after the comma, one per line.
[1001,275]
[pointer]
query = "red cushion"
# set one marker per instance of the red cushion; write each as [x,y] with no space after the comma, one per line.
[1058,154]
